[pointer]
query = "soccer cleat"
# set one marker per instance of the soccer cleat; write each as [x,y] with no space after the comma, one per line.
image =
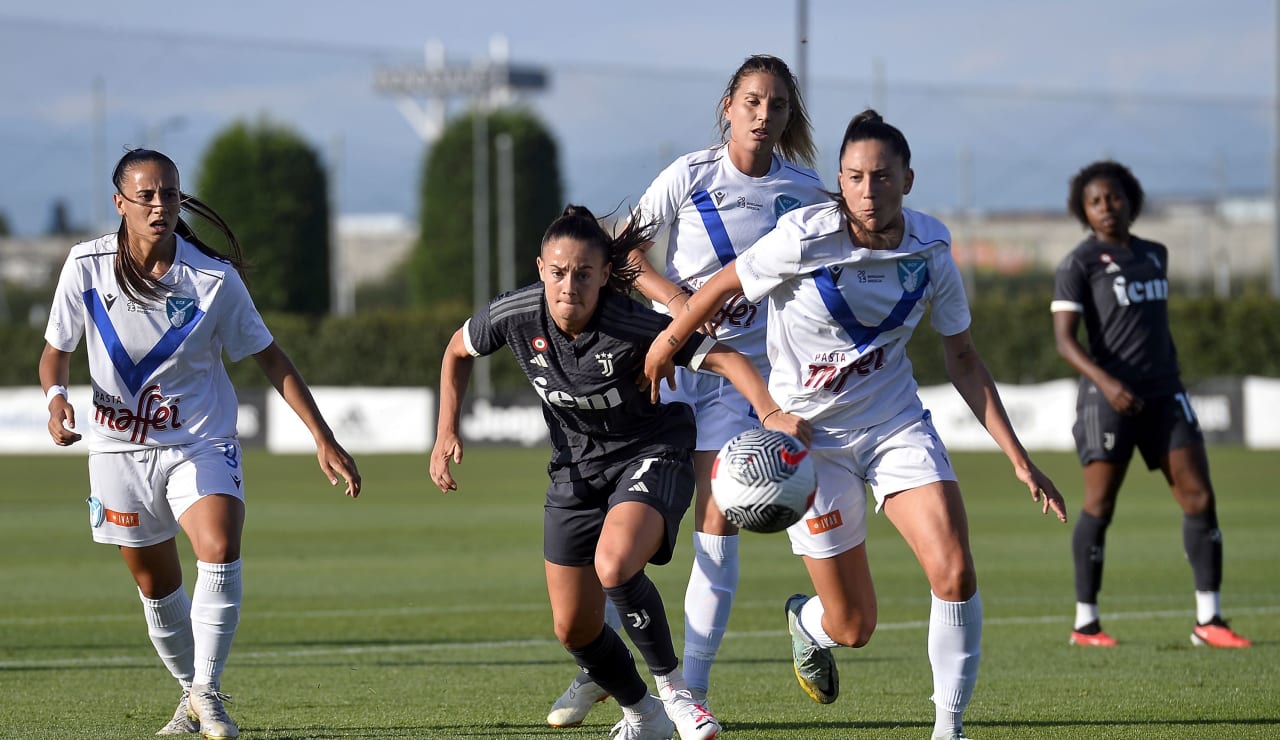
[815,666]
[181,724]
[653,726]
[692,719]
[1091,635]
[572,706]
[205,706]
[1216,633]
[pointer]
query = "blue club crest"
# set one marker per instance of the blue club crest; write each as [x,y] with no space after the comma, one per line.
[180,310]
[912,274]
[784,203]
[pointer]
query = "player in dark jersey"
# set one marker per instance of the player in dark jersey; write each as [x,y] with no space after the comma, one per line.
[621,466]
[1131,395]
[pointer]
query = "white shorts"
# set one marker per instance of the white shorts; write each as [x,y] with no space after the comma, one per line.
[136,498]
[898,455]
[720,410]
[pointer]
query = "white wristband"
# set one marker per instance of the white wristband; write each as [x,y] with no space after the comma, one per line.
[55,390]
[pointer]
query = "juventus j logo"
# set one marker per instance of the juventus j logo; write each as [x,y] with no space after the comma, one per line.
[640,619]
[606,363]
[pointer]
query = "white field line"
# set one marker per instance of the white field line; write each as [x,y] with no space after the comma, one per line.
[430,647]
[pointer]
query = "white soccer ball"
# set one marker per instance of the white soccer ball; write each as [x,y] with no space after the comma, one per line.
[763,480]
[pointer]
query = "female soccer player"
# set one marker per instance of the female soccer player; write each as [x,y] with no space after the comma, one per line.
[847,284]
[714,203]
[159,308]
[1131,395]
[621,467]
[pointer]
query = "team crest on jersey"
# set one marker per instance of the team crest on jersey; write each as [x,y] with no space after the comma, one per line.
[784,203]
[911,274]
[180,310]
[539,344]
[606,363]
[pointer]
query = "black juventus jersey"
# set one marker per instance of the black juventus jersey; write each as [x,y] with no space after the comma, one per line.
[1123,296]
[596,414]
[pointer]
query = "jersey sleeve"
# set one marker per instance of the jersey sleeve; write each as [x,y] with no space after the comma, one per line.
[771,261]
[662,199]
[480,335]
[1070,286]
[66,312]
[242,330]
[949,308]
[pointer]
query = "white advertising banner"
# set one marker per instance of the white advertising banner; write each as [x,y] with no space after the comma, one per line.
[365,420]
[24,421]
[1262,413]
[1041,414]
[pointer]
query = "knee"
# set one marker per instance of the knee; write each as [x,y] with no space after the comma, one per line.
[956,580]
[612,571]
[217,547]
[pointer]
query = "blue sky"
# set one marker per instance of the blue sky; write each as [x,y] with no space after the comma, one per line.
[1002,100]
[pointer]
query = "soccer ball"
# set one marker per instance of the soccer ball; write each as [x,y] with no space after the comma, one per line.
[763,480]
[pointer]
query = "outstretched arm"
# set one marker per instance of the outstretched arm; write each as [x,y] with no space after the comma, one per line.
[334,460]
[970,376]
[699,309]
[455,374]
[744,376]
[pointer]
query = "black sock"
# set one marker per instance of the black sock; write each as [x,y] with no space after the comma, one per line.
[1203,544]
[607,660]
[1088,543]
[645,619]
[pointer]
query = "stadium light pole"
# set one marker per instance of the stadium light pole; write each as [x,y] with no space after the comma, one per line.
[488,84]
[802,47]
[1275,169]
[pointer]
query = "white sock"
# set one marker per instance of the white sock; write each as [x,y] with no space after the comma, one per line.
[643,709]
[1208,605]
[1085,614]
[707,601]
[215,614]
[955,637]
[169,627]
[673,681]
[811,622]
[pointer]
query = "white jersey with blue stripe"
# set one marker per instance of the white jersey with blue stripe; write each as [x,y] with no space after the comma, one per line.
[157,371]
[712,212]
[840,315]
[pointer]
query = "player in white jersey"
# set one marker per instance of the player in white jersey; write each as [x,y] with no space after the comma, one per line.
[847,284]
[712,204]
[157,308]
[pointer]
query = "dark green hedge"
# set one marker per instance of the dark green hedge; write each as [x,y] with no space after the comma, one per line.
[1238,337]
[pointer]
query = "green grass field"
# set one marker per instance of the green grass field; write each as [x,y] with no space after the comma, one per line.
[412,614]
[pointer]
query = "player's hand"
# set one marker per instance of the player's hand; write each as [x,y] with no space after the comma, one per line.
[335,462]
[658,367]
[791,424]
[1121,398]
[1043,490]
[448,449]
[62,422]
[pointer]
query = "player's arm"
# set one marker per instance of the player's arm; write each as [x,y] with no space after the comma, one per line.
[651,283]
[1066,324]
[735,366]
[699,309]
[55,370]
[455,374]
[969,374]
[284,375]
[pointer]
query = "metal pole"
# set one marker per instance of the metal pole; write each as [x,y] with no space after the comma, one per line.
[480,228]
[504,152]
[802,47]
[100,173]
[1275,171]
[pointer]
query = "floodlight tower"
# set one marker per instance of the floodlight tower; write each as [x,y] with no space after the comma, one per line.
[488,84]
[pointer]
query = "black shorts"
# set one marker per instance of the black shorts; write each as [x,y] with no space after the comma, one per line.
[575,510]
[1165,423]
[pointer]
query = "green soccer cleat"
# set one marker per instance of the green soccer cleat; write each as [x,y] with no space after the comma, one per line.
[815,666]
